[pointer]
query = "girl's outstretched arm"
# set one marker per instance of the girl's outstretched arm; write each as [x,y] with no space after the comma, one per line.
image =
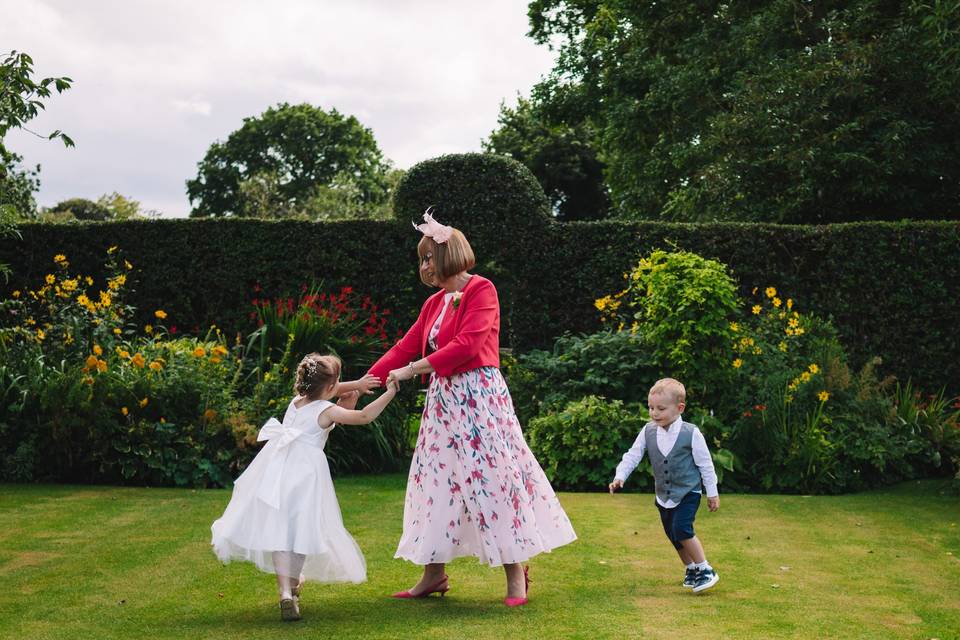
[366,384]
[368,414]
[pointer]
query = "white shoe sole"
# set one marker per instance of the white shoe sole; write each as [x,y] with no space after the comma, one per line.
[703,587]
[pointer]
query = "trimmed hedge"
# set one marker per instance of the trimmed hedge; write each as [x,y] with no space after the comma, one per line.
[891,288]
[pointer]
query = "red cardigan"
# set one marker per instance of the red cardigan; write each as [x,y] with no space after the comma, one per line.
[469,335]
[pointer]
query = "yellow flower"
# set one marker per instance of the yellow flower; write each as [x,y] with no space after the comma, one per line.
[215,360]
[144,402]
[50,279]
[209,414]
[220,350]
[88,280]
[16,294]
[789,303]
[155,366]
[125,411]
[91,362]
[137,361]
[757,351]
[814,368]
[199,352]
[737,363]
[798,331]
[793,322]
[805,376]
[782,346]
[101,365]
[127,265]
[789,398]
[148,328]
[105,299]
[112,249]
[160,313]
[756,309]
[116,331]
[777,302]
[634,328]
[789,331]
[734,327]
[116,283]
[70,285]
[59,258]
[123,353]
[163,420]
[41,335]
[771,292]
[98,350]
[754,292]
[823,396]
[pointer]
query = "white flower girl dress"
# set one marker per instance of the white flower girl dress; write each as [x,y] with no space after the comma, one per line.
[284,506]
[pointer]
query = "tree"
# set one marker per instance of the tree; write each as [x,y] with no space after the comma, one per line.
[17,186]
[281,158]
[21,99]
[563,158]
[779,111]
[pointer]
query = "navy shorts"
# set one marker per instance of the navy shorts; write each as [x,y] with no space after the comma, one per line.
[678,521]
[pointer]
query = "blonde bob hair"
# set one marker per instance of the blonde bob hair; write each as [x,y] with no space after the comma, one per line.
[449,258]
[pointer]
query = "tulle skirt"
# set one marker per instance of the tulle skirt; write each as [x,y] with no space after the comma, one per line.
[306,521]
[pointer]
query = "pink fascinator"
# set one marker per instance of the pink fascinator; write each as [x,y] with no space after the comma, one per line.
[433,229]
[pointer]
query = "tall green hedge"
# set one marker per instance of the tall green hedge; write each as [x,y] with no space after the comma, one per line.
[891,288]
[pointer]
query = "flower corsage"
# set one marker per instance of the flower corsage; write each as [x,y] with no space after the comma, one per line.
[456,299]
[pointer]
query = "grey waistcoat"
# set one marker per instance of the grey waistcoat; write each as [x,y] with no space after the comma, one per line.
[676,474]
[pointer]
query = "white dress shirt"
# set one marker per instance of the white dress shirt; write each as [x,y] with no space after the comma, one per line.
[666,438]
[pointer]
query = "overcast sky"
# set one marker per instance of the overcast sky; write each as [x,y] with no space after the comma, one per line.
[155,83]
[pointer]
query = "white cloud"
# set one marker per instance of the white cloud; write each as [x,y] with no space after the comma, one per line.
[199,107]
[156,83]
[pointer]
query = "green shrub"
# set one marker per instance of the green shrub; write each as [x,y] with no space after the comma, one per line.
[683,305]
[580,446]
[608,364]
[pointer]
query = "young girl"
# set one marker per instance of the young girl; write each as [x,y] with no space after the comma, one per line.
[283,515]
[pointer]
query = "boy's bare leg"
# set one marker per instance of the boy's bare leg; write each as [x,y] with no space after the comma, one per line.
[692,551]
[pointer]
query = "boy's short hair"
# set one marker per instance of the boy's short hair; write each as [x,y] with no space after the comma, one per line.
[671,387]
[449,258]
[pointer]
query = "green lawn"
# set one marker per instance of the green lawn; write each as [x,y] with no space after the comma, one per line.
[104,562]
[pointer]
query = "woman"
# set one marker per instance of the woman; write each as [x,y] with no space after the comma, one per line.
[474,488]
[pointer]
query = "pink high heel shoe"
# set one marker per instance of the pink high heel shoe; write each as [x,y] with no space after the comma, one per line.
[441,587]
[516,602]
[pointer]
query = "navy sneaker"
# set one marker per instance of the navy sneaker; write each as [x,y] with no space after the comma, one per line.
[705,579]
[690,579]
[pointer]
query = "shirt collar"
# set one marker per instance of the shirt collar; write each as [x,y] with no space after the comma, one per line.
[675,425]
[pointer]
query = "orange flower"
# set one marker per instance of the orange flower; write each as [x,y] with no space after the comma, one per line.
[138,361]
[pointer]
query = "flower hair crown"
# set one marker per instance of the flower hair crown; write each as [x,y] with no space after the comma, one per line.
[440,233]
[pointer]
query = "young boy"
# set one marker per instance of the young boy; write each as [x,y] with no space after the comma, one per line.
[681,461]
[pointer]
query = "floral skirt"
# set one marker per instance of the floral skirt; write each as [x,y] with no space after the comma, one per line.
[474,487]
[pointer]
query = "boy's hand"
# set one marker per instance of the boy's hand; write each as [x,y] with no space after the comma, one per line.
[616,484]
[713,503]
[368,383]
[348,400]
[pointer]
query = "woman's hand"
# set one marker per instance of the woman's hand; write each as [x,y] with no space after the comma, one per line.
[348,400]
[401,374]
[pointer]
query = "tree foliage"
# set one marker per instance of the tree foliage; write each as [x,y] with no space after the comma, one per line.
[563,158]
[274,164]
[781,111]
[21,99]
